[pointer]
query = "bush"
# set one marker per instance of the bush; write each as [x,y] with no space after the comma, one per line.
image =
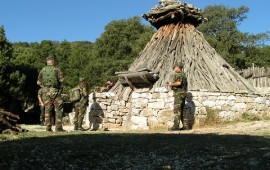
[250,117]
[212,117]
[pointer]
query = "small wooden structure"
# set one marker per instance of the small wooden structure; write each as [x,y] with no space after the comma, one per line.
[257,76]
[137,79]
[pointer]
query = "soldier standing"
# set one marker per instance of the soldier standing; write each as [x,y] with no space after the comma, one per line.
[80,105]
[179,86]
[51,80]
[42,109]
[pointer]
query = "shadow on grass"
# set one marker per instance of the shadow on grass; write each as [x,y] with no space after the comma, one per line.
[136,151]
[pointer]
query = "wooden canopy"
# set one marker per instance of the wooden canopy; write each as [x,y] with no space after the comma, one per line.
[137,79]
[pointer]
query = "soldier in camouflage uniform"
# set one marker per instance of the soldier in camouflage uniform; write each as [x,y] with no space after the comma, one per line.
[51,81]
[80,106]
[179,86]
[42,109]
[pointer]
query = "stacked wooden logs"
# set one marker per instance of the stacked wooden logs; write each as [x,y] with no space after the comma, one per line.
[8,123]
[173,11]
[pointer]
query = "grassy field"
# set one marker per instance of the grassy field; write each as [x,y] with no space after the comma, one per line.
[157,149]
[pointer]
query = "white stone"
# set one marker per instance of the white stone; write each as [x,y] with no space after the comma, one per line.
[260,100]
[165,115]
[115,113]
[128,105]
[197,103]
[122,103]
[157,105]
[231,97]
[111,120]
[222,103]
[146,112]
[114,107]
[169,106]
[140,103]
[140,122]
[169,99]
[227,115]
[161,89]
[223,98]
[124,110]
[155,113]
[239,106]
[214,94]
[109,114]
[170,93]
[135,95]
[152,121]
[100,95]
[136,111]
[139,95]
[267,102]
[209,103]
[109,94]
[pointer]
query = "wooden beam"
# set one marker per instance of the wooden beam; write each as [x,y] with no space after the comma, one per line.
[129,83]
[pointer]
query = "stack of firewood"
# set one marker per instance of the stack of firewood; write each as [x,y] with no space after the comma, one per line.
[8,123]
[174,11]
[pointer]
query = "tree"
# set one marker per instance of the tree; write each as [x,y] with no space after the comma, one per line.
[255,50]
[11,79]
[118,46]
[221,30]
[77,63]
[222,33]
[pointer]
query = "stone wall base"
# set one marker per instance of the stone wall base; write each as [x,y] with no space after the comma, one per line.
[153,108]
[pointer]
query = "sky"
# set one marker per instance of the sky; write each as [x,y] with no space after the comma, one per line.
[85,20]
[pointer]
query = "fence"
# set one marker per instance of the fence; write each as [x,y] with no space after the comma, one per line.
[257,76]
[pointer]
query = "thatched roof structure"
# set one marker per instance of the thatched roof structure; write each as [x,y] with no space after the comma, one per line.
[177,40]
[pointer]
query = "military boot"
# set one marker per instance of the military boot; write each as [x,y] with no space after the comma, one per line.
[80,128]
[42,123]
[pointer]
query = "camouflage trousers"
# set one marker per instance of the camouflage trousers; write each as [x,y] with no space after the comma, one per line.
[42,114]
[179,103]
[53,100]
[79,115]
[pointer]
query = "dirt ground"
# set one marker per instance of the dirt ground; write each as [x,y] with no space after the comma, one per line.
[242,145]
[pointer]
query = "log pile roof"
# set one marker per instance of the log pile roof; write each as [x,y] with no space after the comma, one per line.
[174,11]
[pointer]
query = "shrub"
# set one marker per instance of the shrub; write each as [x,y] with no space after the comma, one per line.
[212,117]
[250,117]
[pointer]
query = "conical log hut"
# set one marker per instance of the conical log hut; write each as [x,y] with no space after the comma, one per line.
[177,40]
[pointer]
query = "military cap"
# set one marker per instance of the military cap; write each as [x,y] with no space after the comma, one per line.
[180,65]
[50,57]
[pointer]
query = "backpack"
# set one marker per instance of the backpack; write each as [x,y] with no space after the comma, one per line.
[74,94]
[49,77]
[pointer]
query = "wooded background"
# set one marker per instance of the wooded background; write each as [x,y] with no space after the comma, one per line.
[114,51]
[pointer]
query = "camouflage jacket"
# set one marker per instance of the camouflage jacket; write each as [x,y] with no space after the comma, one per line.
[181,77]
[50,76]
[84,96]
